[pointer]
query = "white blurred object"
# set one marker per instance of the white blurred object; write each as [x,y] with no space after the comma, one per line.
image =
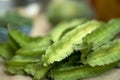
[5,6]
[32,9]
[41,26]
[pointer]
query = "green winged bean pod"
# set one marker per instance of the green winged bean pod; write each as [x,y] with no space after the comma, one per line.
[103,34]
[80,72]
[106,54]
[37,48]
[100,37]
[6,51]
[64,27]
[63,48]
[18,37]
[37,70]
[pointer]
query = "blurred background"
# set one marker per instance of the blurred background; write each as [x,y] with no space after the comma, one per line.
[38,17]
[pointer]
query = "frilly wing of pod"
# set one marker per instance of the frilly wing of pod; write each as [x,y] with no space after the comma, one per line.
[63,28]
[80,72]
[106,54]
[63,48]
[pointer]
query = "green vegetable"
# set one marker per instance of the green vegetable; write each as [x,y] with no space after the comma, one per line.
[68,53]
[106,54]
[103,34]
[79,72]
[32,68]
[100,36]
[63,48]
[17,64]
[18,37]
[36,48]
[37,71]
[13,43]
[32,51]
[15,67]
[64,27]
[6,51]
[41,72]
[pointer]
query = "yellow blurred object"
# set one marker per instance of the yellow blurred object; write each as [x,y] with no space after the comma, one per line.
[106,9]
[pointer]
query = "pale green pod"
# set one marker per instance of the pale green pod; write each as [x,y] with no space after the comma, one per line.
[17,64]
[106,54]
[24,41]
[63,28]
[37,71]
[103,34]
[100,37]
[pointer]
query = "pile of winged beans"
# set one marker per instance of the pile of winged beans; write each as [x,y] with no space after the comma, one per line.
[77,49]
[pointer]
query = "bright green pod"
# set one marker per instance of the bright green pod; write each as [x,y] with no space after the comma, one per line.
[63,28]
[106,54]
[23,40]
[45,42]
[63,48]
[37,49]
[18,37]
[41,73]
[17,64]
[13,43]
[23,60]
[31,69]
[15,67]
[80,72]
[6,51]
